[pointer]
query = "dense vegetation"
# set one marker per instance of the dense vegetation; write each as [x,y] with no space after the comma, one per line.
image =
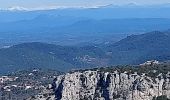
[149,70]
[163,97]
[152,70]
[134,49]
[42,55]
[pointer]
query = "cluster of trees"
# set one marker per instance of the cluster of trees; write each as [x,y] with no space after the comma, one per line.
[150,70]
[163,97]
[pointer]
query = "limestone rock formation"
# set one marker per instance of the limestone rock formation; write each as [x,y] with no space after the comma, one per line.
[98,85]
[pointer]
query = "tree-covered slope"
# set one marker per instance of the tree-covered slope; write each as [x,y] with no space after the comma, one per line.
[136,49]
[42,55]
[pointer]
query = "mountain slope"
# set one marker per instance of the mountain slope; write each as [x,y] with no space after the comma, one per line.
[136,49]
[41,55]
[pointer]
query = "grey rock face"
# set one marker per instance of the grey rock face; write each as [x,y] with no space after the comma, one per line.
[95,85]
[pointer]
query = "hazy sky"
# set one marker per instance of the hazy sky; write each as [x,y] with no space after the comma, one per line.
[68,3]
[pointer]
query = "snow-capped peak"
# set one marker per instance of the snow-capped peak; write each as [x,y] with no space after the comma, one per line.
[16,8]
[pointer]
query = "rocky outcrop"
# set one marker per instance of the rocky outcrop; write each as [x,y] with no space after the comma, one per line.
[98,85]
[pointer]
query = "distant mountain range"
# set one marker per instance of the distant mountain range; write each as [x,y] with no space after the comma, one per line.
[21,8]
[72,31]
[134,49]
[72,26]
[101,12]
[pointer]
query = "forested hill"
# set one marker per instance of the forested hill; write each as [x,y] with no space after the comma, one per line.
[134,49]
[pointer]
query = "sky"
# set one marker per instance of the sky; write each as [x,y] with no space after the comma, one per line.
[73,3]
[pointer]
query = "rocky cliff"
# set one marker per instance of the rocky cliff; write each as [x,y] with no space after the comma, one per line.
[113,84]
